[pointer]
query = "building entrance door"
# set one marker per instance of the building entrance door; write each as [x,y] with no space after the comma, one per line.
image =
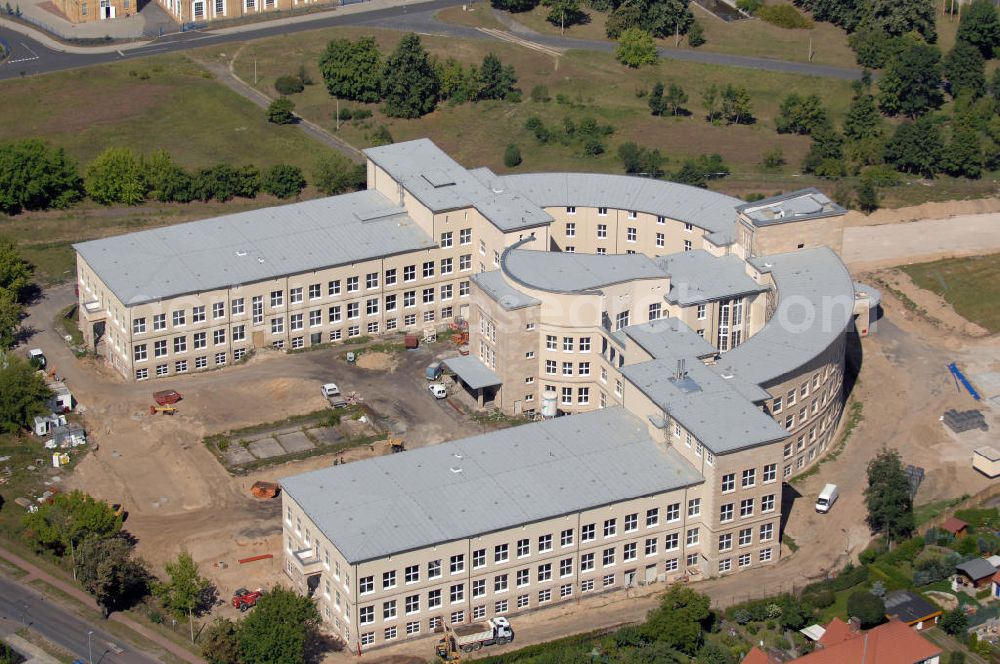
[650,573]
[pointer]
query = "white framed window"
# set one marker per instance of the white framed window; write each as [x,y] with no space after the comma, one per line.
[142,374]
[631,234]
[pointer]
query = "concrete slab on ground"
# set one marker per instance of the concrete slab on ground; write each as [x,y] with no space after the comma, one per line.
[988,383]
[237,455]
[296,441]
[265,448]
[326,435]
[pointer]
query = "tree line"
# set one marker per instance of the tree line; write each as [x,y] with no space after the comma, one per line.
[409,83]
[37,176]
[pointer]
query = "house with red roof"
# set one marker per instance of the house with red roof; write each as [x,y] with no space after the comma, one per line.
[890,643]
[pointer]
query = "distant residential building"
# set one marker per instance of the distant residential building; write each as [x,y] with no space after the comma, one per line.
[842,643]
[956,527]
[200,11]
[977,572]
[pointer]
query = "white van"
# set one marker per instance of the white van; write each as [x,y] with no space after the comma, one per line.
[827,497]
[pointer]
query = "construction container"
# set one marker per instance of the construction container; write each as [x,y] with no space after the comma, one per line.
[987,461]
[411,341]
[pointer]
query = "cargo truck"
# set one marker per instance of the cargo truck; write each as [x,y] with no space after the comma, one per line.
[495,631]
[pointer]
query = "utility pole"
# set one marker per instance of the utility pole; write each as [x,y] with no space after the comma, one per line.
[338,113]
[255,72]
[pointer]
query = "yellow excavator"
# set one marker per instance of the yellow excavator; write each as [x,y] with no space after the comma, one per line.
[446,649]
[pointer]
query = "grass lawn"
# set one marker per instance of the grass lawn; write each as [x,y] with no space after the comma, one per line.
[178,106]
[970,285]
[593,84]
[924,513]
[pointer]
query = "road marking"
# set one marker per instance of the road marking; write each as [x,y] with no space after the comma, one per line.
[519,41]
[34,56]
[120,54]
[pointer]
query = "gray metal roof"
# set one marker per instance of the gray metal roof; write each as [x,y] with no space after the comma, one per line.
[669,339]
[715,412]
[976,568]
[705,209]
[815,306]
[493,284]
[478,485]
[252,246]
[798,205]
[472,371]
[561,272]
[698,276]
[442,184]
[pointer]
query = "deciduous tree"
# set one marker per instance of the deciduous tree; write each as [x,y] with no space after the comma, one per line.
[866,607]
[167,181]
[283,181]
[335,174]
[353,69]
[107,569]
[281,111]
[15,272]
[185,592]
[980,26]
[636,48]
[409,83]
[964,68]
[116,177]
[915,147]
[34,176]
[887,496]
[564,13]
[898,17]
[278,629]
[69,518]
[911,83]
[22,393]
[801,115]
[679,620]
[220,643]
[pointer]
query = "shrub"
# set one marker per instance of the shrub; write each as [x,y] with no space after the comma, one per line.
[335,174]
[280,111]
[35,176]
[593,146]
[540,94]
[116,176]
[512,156]
[773,159]
[867,556]
[283,181]
[289,85]
[696,35]
[783,16]
[821,598]
[749,6]
[884,175]
[345,114]
[381,136]
[535,125]
[361,113]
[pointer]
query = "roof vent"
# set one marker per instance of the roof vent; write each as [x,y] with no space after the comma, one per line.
[260,260]
[241,252]
[455,469]
[458,455]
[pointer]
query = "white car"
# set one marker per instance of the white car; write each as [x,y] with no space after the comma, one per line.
[438,390]
[330,390]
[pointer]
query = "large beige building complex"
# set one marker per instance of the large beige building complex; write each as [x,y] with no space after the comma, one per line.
[698,342]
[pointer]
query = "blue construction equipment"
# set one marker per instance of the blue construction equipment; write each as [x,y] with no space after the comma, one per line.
[960,377]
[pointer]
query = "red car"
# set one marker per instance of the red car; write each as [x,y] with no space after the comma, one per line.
[166,397]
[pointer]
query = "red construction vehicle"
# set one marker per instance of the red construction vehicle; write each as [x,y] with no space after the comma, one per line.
[167,397]
[245,600]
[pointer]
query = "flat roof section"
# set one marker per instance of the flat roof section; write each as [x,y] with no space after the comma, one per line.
[496,287]
[668,339]
[473,372]
[815,306]
[390,504]
[697,276]
[709,210]
[561,272]
[800,205]
[717,413]
[441,183]
[252,246]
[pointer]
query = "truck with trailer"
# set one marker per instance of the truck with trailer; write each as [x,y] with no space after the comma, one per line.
[495,631]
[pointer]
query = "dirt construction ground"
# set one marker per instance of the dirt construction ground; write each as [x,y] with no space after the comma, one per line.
[175,491]
[178,495]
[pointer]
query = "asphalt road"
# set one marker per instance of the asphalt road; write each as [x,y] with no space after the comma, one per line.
[21,606]
[29,57]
